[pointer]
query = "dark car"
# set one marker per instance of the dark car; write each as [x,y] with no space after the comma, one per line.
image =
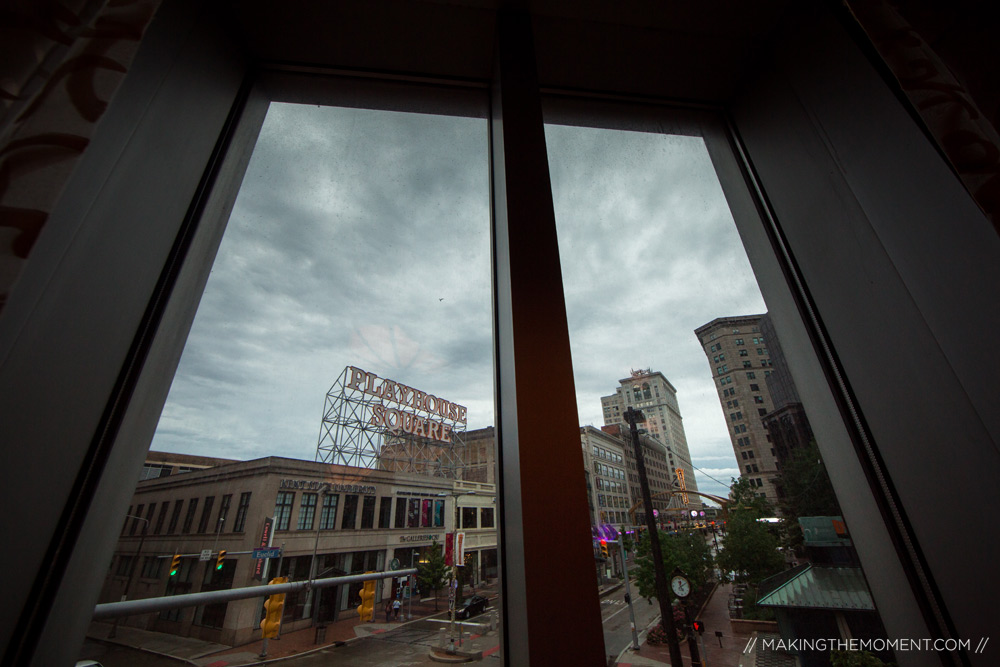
[473,606]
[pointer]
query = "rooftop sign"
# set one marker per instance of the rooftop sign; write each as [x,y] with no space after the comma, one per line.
[398,421]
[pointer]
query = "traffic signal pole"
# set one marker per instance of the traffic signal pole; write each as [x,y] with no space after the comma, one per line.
[632,416]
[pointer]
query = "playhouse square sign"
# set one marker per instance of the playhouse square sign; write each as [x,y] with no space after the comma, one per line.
[441,415]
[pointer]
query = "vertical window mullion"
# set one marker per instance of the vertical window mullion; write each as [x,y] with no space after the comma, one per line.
[539,454]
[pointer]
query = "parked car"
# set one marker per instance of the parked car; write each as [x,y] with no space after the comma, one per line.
[473,606]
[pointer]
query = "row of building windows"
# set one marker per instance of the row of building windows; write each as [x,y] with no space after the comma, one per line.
[609,485]
[143,518]
[745,454]
[612,501]
[602,453]
[608,471]
[410,512]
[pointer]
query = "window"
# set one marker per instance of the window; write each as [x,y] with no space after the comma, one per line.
[223,512]
[205,514]
[400,513]
[368,512]
[413,513]
[175,517]
[151,566]
[469,517]
[283,510]
[750,452]
[328,517]
[743,353]
[739,341]
[751,375]
[154,470]
[744,455]
[761,412]
[747,364]
[162,517]
[755,468]
[385,512]
[754,387]
[350,516]
[307,511]
[438,513]
[758,399]
[189,517]
[124,566]
[241,512]
[135,521]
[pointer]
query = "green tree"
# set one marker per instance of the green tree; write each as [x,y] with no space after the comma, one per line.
[750,549]
[685,550]
[807,492]
[432,573]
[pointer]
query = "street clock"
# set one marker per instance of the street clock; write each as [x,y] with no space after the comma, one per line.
[681,586]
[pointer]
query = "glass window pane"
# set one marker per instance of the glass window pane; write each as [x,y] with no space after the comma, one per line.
[340,361]
[659,291]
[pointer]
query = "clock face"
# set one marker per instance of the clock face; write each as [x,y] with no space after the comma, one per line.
[680,586]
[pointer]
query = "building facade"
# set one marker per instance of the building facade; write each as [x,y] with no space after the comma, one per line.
[787,423]
[354,520]
[651,392]
[738,355]
[605,462]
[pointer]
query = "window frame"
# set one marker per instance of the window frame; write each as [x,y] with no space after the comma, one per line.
[512,445]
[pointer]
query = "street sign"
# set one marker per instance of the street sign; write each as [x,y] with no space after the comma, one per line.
[206,554]
[273,552]
[394,564]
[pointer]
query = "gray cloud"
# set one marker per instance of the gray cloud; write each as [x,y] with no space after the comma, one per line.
[362,238]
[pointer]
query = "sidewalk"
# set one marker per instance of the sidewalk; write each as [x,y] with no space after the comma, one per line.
[715,616]
[349,627]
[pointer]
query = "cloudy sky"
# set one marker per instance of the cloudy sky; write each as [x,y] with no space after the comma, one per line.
[362,238]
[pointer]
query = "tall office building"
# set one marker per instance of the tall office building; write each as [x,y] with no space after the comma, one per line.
[737,352]
[652,393]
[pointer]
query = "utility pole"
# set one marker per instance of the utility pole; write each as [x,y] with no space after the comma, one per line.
[628,594]
[632,416]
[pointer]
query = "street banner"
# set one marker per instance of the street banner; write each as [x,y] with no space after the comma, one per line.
[449,549]
[460,549]
[266,535]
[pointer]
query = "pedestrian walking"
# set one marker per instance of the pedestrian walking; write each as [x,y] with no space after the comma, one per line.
[396,604]
[388,610]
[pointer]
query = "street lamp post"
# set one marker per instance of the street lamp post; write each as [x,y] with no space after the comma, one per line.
[131,572]
[453,584]
[632,416]
[409,586]
[307,607]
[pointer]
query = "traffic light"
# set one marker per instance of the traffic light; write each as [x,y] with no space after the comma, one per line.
[273,607]
[366,610]
[604,548]
[175,565]
[698,627]
[220,559]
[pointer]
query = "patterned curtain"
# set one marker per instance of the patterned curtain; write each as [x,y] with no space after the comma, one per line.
[945,59]
[60,64]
